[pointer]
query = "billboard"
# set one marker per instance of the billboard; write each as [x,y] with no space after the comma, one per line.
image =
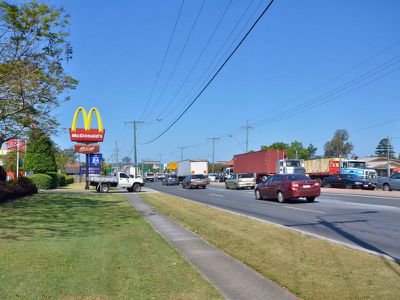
[13,145]
[87,134]
[87,148]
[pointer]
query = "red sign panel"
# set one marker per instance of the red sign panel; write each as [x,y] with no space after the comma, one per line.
[13,145]
[88,136]
[87,148]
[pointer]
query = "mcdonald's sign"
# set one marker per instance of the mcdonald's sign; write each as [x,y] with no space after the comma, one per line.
[87,134]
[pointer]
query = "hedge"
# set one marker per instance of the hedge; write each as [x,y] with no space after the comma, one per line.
[54,176]
[61,179]
[69,179]
[43,181]
[15,188]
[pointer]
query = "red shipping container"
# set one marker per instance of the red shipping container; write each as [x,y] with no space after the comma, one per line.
[262,162]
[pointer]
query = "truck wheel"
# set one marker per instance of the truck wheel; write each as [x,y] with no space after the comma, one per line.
[319,180]
[386,187]
[327,185]
[136,187]
[349,186]
[280,196]
[130,190]
[310,199]
[104,188]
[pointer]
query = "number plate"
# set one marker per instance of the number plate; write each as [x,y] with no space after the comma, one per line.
[307,186]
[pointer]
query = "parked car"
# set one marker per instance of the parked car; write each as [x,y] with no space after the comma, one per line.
[150,177]
[348,181]
[287,186]
[241,180]
[194,181]
[389,183]
[170,180]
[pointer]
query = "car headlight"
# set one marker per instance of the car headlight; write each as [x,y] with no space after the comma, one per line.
[357,182]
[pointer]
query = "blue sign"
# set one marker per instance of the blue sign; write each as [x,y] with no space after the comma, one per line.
[95,160]
[92,170]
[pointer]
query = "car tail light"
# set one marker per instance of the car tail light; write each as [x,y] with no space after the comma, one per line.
[294,185]
[316,184]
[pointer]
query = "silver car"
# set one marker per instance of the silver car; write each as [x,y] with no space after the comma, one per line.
[389,183]
[239,181]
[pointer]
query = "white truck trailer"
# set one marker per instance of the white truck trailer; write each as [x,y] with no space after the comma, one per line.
[192,167]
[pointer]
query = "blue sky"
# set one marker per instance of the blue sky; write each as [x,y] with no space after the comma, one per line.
[299,48]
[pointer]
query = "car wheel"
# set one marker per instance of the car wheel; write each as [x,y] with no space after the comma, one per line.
[226,186]
[204,187]
[104,188]
[327,185]
[236,187]
[386,187]
[258,195]
[137,187]
[281,197]
[130,190]
[349,186]
[310,199]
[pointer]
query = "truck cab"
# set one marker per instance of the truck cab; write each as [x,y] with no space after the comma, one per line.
[358,168]
[291,166]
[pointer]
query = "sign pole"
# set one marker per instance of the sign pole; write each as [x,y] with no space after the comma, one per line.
[87,172]
[17,159]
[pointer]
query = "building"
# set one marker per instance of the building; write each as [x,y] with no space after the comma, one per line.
[380,164]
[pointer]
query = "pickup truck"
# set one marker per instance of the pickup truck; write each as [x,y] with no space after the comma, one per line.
[119,179]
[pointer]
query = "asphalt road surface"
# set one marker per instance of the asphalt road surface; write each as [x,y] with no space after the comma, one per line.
[367,221]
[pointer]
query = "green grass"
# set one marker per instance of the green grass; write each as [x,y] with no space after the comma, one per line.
[309,267]
[87,246]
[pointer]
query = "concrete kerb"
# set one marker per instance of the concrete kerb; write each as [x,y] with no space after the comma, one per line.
[230,276]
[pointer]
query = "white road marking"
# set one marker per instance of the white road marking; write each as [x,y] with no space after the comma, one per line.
[377,206]
[320,212]
[358,195]
[216,195]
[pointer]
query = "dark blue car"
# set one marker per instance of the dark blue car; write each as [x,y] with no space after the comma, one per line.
[170,180]
[347,181]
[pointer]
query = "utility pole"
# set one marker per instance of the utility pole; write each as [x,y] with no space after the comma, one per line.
[161,164]
[182,148]
[135,123]
[247,127]
[388,156]
[213,139]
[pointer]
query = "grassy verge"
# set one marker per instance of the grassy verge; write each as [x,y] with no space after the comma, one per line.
[310,268]
[84,246]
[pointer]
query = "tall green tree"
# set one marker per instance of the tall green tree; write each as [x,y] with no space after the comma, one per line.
[40,153]
[339,145]
[297,150]
[384,145]
[276,146]
[34,51]
[312,151]
[64,157]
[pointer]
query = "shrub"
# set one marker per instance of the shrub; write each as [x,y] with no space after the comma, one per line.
[61,179]
[19,187]
[42,181]
[69,179]
[54,176]
[3,174]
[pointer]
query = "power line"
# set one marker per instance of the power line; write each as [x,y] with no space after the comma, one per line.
[178,60]
[215,75]
[163,61]
[217,54]
[199,57]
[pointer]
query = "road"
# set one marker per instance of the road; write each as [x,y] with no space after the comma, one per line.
[368,221]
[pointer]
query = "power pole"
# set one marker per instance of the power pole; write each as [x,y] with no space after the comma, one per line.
[116,153]
[388,156]
[213,139]
[161,164]
[247,127]
[182,148]
[135,123]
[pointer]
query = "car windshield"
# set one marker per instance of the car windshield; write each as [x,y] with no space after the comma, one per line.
[173,176]
[150,174]
[357,164]
[292,163]
[245,175]
[295,177]
[198,176]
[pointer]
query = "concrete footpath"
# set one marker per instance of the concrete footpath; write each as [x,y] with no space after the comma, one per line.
[232,278]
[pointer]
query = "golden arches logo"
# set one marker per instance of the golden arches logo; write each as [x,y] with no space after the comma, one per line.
[87,119]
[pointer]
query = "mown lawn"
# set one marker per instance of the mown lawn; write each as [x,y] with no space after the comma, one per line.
[309,267]
[87,246]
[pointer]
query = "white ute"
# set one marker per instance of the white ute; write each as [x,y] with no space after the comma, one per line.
[120,179]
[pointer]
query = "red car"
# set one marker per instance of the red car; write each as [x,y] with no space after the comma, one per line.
[287,186]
